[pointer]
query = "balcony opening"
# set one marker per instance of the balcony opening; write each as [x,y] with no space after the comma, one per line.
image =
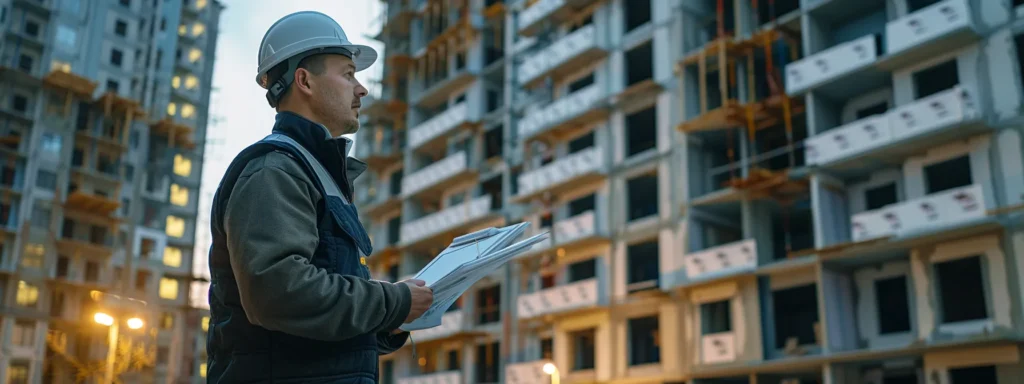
[62,266]
[456,198]
[582,270]
[971,375]
[715,318]
[394,230]
[395,183]
[881,196]
[961,290]
[935,79]
[580,22]
[514,176]
[796,317]
[580,143]
[642,266]
[494,100]
[494,140]
[776,150]
[639,64]
[77,157]
[92,271]
[98,235]
[547,348]
[460,61]
[726,229]
[768,10]
[712,162]
[493,188]
[580,83]
[917,5]
[488,357]
[453,360]
[488,305]
[644,343]
[796,232]
[642,194]
[637,14]
[892,305]
[584,351]
[842,27]
[641,131]
[582,205]
[948,174]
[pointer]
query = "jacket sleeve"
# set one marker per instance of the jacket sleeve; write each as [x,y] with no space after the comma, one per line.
[388,343]
[270,223]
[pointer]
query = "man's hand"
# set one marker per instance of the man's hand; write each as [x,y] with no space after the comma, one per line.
[422,298]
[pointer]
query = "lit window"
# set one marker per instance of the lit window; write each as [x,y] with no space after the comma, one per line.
[179,195]
[32,257]
[191,82]
[182,30]
[17,373]
[198,29]
[182,165]
[172,109]
[176,83]
[200,4]
[188,110]
[27,295]
[168,288]
[175,226]
[194,55]
[172,257]
[61,66]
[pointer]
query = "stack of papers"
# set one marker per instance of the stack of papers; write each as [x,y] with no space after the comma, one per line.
[468,259]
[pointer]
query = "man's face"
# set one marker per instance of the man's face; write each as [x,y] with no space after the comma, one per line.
[336,96]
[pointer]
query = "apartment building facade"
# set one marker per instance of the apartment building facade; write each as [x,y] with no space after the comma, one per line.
[104,108]
[788,191]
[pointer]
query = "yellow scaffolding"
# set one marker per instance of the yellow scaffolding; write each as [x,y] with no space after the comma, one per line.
[722,55]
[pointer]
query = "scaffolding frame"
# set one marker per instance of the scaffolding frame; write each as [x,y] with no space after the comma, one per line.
[452,38]
[722,55]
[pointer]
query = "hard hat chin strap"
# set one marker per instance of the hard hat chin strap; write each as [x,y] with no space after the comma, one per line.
[277,89]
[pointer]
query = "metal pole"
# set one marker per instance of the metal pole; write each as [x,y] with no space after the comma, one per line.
[108,376]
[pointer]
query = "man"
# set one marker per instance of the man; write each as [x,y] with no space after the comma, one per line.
[291,298]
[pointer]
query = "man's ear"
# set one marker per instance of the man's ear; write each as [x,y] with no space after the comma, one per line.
[303,82]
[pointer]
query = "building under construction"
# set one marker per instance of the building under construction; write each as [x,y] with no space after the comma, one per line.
[737,191]
[103,109]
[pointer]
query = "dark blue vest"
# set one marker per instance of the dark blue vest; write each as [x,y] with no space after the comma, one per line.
[240,352]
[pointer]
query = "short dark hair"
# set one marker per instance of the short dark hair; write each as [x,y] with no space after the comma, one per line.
[315,64]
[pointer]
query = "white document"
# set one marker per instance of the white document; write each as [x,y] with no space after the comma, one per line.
[468,259]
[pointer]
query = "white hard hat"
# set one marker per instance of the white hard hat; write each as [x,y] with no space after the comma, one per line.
[297,36]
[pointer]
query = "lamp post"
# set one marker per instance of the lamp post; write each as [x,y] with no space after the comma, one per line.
[551,369]
[112,334]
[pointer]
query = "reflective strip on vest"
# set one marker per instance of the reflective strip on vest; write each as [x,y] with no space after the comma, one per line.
[330,186]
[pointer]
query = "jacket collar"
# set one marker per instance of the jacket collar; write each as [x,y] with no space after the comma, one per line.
[317,139]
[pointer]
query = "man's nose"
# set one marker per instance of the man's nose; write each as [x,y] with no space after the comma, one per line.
[361,91]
